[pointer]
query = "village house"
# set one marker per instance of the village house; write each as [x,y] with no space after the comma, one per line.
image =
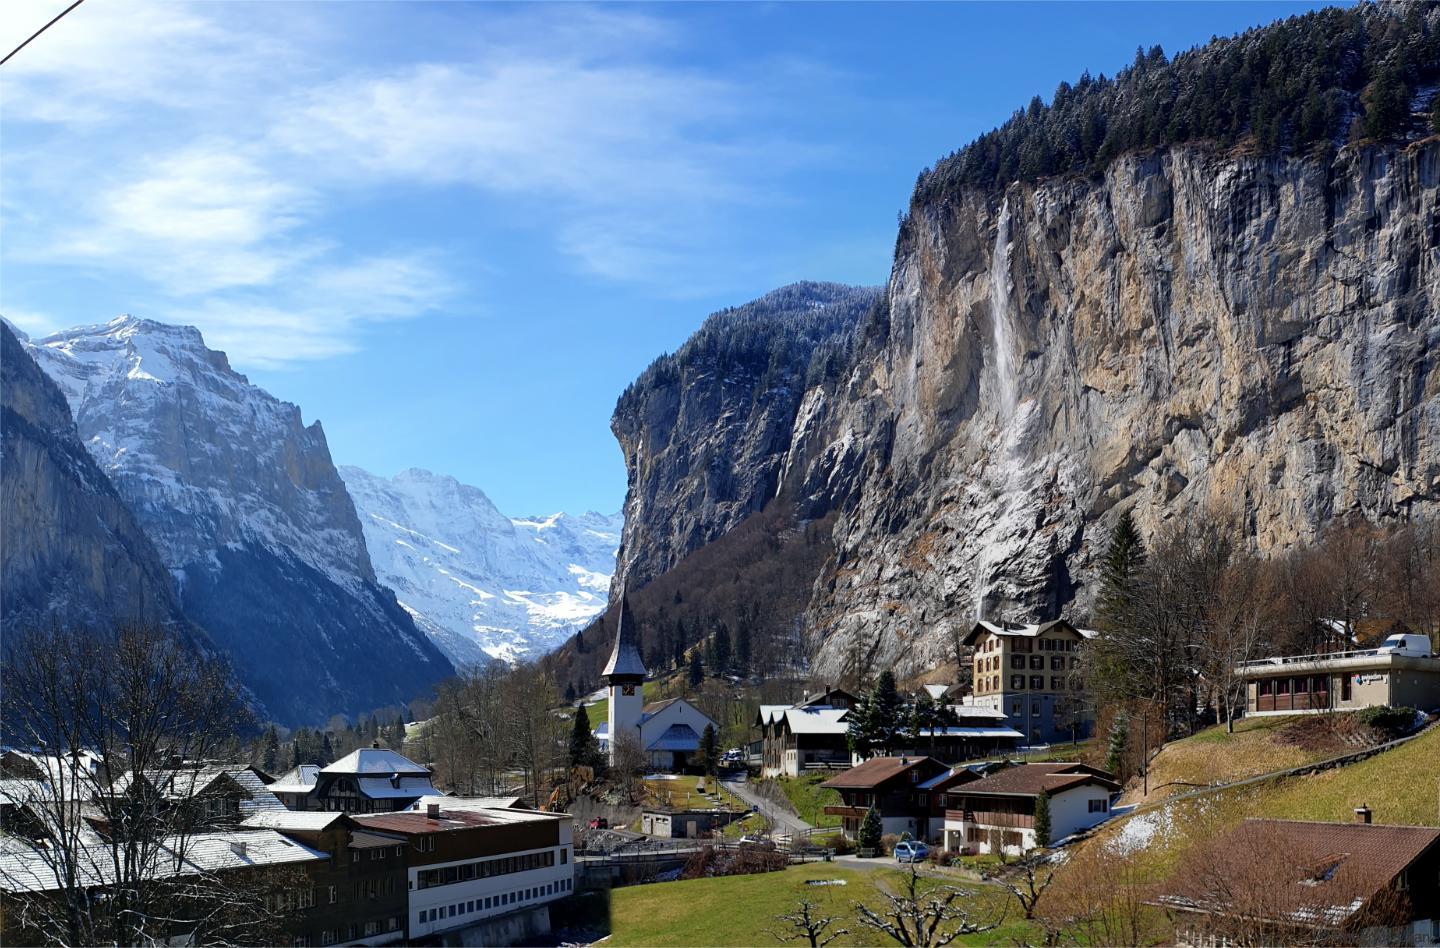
[667,733]
[1400,672]
[936,793]
[491,873]
[892,785]
[360,892]
[1031,674]
[807,735]
[997,813]
[369,780]
[1302,882]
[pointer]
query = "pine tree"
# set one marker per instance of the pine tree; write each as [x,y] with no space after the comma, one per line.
[584,749]
[1042,819]
[295,760]
[886,711]
[270,757]
[1119,741]
[721,638]
[570,692]
[710,750]
[742,648]
[871,829]
[327,752]
[697,669]
[860,732]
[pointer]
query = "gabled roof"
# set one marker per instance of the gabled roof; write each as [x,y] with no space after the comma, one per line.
[375,761]
[1019,630]
[1028,780]
[625,661]
[878,770]
[1318,874]
[817,720]
[677,737]
[282,819]
[953,777]
[300,780]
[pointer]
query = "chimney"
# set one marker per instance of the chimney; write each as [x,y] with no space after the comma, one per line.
[237,846]
[1362,814]
[432,811]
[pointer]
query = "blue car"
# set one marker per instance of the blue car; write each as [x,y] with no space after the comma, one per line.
[914,851]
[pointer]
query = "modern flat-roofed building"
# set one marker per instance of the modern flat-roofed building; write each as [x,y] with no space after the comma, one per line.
[1401,672]
[469,866]
[1032,674]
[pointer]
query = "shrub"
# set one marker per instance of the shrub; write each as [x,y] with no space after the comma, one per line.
[1392,722]
[839,842]
[887,842]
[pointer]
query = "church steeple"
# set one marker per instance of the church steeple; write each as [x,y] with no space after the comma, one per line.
[625,664]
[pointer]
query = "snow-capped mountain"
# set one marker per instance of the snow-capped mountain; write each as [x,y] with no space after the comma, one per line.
[248,513]
[477,582]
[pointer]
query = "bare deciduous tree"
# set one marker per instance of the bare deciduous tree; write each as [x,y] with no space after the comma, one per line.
[113,718]
[925,914]
[809,924]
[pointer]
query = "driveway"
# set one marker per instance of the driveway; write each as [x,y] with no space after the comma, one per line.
[780,818]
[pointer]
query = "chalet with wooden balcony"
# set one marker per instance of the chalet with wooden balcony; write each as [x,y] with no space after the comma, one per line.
[805,736]
[893,786]
[997,813]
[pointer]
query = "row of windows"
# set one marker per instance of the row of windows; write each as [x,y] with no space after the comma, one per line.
[1036,683]
[1300,685]
[485,868]
[290,900]
[350,932]
[461,909]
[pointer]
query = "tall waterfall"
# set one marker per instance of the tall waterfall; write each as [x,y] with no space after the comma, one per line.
[1002,315]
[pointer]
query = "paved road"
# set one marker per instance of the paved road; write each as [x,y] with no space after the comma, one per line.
[782,820]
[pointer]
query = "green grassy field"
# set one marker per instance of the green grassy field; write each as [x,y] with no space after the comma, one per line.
[810,799]
[737,910]
[1401,786]
[681,793]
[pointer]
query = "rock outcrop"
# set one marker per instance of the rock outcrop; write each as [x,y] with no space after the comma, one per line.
[1191,330]
[249,514]
[71,551]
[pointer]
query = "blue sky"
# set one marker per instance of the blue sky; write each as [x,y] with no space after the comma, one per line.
[454,232]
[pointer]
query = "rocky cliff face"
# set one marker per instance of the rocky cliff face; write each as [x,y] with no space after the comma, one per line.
[71,551]
[706,431]
[1253,334]
[248,512]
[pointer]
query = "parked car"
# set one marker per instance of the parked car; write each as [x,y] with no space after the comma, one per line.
[914,851]
[758,842]
[599,823]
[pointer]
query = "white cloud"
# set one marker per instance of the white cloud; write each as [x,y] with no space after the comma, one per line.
[206,150]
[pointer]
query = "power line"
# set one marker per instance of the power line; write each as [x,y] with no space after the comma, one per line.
[39,31]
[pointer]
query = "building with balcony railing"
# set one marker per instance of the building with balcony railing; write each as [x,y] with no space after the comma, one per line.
[997,813]
[1401,672]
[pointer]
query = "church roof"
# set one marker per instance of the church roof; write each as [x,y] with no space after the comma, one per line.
[625,659]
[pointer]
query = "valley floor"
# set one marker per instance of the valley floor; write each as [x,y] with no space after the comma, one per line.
[742,910]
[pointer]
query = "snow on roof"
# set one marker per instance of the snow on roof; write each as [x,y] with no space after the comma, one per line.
[465,803]
[18,792]
[375,760]
[394,788]
[300,780]
[283,819]
[1021,630]
[25,867]
[816,720]
[769,712]
[936,692]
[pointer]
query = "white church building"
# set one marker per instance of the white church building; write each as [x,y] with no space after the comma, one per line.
[667,731]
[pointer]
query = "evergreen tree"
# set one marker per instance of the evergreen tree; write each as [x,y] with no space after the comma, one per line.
[1042,819]
[295,760]
[270,757]
[1119,742]
[570,692]
[584,749]
[580,641]
[327,752]
[697,669]
[742,647]
[721,638]
[1119,575]
[871,829]
[860,732]
[887,713]
[679,660]
[710,750]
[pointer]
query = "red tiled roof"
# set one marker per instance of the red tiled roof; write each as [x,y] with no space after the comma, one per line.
[876,771]
[417,824]
[1319,873]
[1030,779]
